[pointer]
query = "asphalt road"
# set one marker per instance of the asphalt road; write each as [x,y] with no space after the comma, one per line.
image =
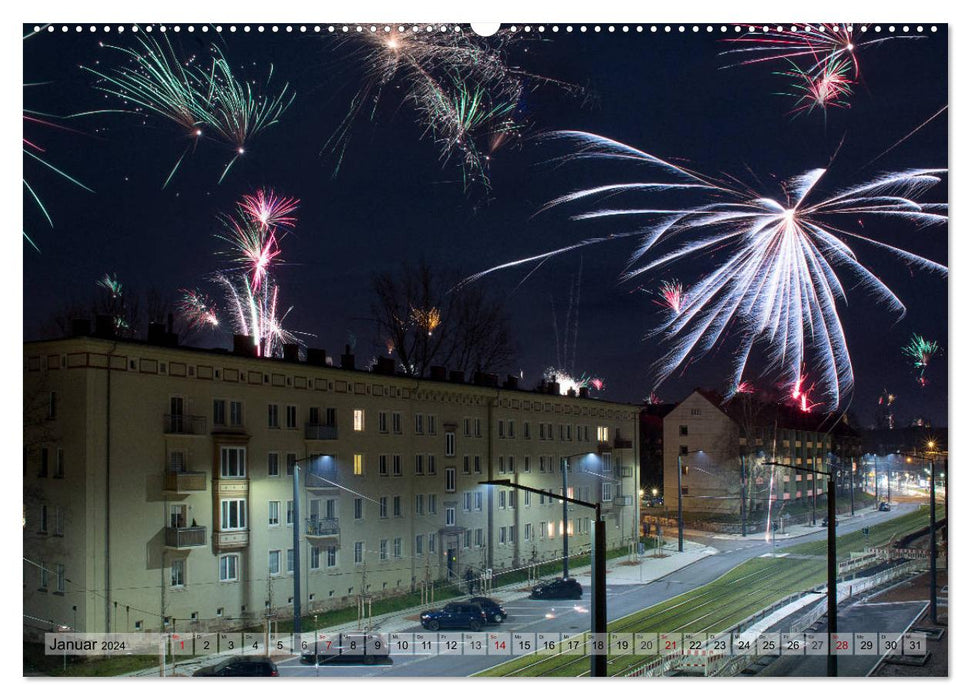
[573,617]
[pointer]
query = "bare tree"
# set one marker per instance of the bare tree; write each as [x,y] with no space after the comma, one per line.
[424,321]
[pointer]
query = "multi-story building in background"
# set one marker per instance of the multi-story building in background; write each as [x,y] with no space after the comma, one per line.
[158,481]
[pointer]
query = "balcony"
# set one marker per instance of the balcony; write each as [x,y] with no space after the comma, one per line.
[184,482]
[620,444]
[180,424]
[230,539]
[322,527]
[318,431]
[185,537]
[623,472]
[321,479]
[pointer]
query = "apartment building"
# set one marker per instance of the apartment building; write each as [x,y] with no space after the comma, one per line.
[714,439]
[159,482]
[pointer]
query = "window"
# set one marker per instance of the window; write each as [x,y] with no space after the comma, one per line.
[358,420]
[419,544]
[682,430]
[478,427]
[544,530]
[289,512]
[431,542]
[274,562]
[273,464]
[606,491]
[332,556]
[526,430]
[396,423]
[449,516]
[396,506]
[43,519]
[511,464]
[397,548]
[527,532]
[383,422]
[43,462]
[219,412]
[358,465]
[526,463]
[478,500]
[569,432]
[273,415]
[502,428]
[236,413]
[229,567]
[603,433]
[419,424]
[383,550]
[467,539]
[358,552]
[478,537]
[467,423]
[395,465]
[330,417]
[419,464]
[432,504]
[60,578]
[313,415]
[542,431]
[502,535]
[502,500]
[232,514]
[419,504]
[683,450]
[358,508]
[430,422]
[526,498]
[450,443]
[382,465]
[501,464]
[542,463]
[291,463]
[467,501]
[291,417]
[510,429]
[52,406]
[315,557]
[383,507]
[274,513]
[477,464]
[450,479]
[59,464]
[43,575]
[290,561]
[696,411]
[561,431]
[466,465]
[232,462]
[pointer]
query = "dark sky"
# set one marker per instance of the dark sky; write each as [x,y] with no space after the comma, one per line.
[393,199]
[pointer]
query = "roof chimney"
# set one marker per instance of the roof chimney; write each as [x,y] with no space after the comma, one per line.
[104,326]
[80,327]
[317,356]
[291,352]
[244,346]
[347,359]
[438,373]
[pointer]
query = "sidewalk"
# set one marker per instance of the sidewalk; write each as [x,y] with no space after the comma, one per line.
[619,572]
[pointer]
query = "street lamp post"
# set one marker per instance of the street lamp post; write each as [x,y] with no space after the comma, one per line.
[598,594]
[680,500]
[564,466]
[831,598]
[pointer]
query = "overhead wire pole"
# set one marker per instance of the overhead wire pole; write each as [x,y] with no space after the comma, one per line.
[831,597]
[598,594]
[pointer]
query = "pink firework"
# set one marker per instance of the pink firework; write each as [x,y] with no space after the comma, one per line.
[829,86]
[672,296]
[745,387]
[198,309]
[800,396]
[256,248]
[269,210]
[817,43]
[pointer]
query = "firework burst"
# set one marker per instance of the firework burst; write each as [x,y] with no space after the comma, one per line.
[778,284]
[569,383]
[426,319]
[198,309]
[830,86]
[269,210]
[672,296]
[920,352]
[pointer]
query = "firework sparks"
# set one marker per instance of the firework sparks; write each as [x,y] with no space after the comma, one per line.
[779,284]
[201,100]
[426,319]
[800,396]
[672,296]
[569,383]
[921,351]
[252,246]
[198,309]
[744,387]
[269,210]
[830,86]
[111,284]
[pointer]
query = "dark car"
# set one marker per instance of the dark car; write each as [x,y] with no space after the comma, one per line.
[455,615]
[558,588]
[884,506]
[825,521]
[494,612]
[241,666]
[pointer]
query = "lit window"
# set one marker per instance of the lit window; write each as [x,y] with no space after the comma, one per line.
[358,420]
[358,465]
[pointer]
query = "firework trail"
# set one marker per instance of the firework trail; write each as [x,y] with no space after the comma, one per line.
[778,283]
[920,352]
[200,100]
[830,86]
[253,246]
[269,210]
[198,309]
[460,86]
[672,296]
[800,395]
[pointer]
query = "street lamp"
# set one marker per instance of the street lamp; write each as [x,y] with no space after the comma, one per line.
[564,466]
[680,504]
[598,594]
[930,456]
[831,598]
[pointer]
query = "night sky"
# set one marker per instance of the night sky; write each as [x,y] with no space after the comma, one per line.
[393,199]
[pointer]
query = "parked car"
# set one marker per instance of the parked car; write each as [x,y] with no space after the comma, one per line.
[884,506]
[825,521]
[558,588]
[241,666]
[494,612]
[455,615]
[348,648]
